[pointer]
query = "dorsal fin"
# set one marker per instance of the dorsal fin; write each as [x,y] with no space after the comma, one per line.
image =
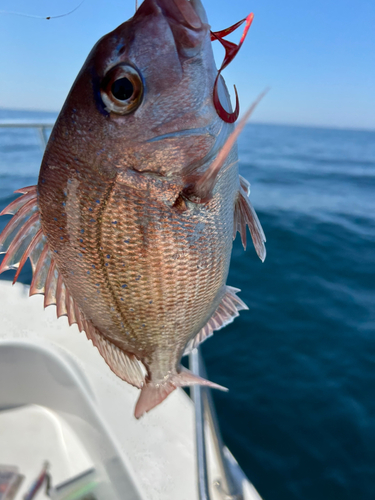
[23,238]
[225,314]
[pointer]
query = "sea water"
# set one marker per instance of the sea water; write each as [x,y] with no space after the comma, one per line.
[300,364]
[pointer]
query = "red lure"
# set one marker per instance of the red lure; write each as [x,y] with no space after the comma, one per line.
[231,50]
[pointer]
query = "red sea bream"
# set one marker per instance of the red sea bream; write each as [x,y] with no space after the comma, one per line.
[130,227]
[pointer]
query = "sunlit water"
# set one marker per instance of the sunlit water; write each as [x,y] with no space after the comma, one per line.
[300,364]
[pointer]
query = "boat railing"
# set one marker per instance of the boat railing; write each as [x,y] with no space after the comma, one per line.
[42,127]
[230,480]
[229,484]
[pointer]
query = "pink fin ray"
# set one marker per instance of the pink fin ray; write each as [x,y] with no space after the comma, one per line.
[199,188]
[18,203]
[226,312]
[245,184]
[36,252]
[20,243]
[153,393]
[23,238]
[41,271]
[50,285]
[245,215]
[16,223]
[125,365]
[61,309]
[34,242]
[78,318]
[28,189]
[70,308]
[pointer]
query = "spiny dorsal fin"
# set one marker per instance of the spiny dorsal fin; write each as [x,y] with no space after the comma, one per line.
[225,314]
[23,238]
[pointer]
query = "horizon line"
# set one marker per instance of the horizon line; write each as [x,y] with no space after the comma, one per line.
[267,123]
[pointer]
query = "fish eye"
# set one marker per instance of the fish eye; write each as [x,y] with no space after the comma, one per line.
[122,89]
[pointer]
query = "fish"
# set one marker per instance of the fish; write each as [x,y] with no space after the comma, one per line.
[130,227]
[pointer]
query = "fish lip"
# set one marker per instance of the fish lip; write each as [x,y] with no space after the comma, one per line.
[200,10]
[190,12]
[187,20]
[182,12]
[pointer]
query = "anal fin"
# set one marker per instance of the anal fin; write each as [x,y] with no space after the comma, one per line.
[225,314]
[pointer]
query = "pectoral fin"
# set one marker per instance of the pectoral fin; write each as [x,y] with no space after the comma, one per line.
[199,188]
[244,215]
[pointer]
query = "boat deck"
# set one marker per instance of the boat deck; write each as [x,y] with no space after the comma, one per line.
[60,402]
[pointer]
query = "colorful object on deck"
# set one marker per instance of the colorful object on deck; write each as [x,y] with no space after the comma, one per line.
[10,482]
[38,483]
[130,228]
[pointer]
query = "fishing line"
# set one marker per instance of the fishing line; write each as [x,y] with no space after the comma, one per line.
[41,17]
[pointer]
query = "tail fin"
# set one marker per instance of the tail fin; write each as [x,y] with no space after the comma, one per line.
[154,393]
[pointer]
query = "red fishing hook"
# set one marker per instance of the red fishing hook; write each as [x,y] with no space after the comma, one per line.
[231,50]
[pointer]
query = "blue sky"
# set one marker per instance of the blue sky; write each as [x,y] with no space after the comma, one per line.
[317,57]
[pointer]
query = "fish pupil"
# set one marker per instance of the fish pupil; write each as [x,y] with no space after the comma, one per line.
[122,89]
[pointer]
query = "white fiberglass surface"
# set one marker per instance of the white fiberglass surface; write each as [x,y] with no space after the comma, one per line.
[32,434]
[156,453]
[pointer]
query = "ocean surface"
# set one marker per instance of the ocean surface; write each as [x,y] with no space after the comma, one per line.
[300,364]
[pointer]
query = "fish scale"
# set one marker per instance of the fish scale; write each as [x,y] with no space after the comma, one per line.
[163,277]
[165,273]
[130,228]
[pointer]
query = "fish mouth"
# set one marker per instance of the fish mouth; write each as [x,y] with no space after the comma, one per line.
[187,20]
[189,13]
